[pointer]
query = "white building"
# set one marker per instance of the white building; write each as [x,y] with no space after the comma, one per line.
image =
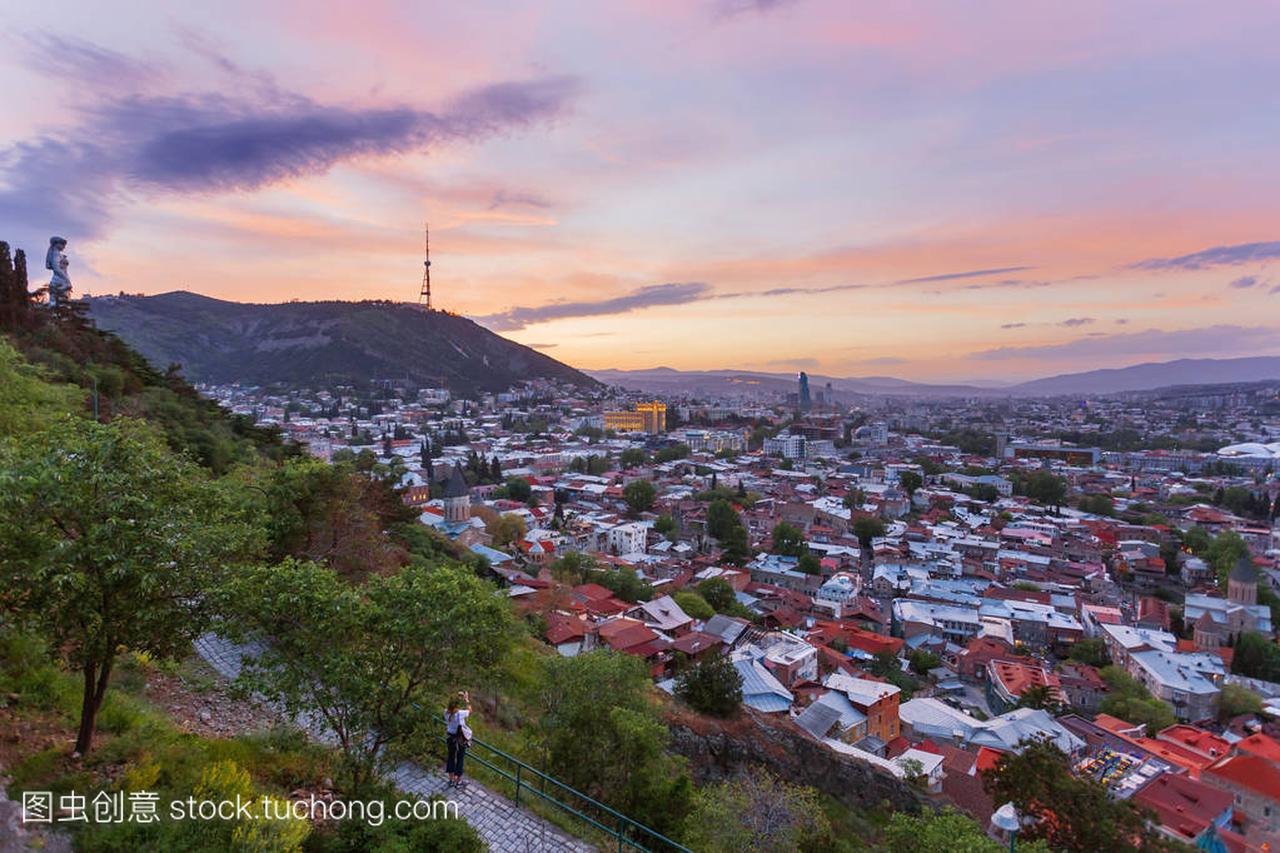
[626,538]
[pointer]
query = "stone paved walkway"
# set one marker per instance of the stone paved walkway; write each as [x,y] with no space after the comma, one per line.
[502,825]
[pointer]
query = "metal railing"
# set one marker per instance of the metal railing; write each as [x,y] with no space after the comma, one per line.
[528,780]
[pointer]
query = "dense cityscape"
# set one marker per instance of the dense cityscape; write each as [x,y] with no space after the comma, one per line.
[717,426]
[919,585]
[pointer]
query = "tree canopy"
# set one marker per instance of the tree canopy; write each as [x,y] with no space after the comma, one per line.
[370,661]
[711,686]
[615,750]
[119,544]
[1069,813]
[759,812]
[639,495]
[1130,701]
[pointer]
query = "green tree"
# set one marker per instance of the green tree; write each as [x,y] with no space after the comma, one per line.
[624,583]
[759,812]
[1256,656]
[1097,505]
[118,544]
[367,661]
[1039,696]
[666,525]
[639,495]
[1092,651]
[328,513]
[28,400]
[788,540]
[947,831]
[737,550]
[1223,553]
[922,662]
[506,529]
[694,605]
[1235,700]
[711,686]
[573,568]
[632,457]
[910,482]
[719,593]
[809,564]
[1042,487]
[1130,701]
[866,528]
[721,518]
[672,453]
[1197,540]
[616,751]
[1068,813]
[518,489]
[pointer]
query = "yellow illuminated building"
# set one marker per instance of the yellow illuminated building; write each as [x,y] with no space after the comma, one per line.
[646,417]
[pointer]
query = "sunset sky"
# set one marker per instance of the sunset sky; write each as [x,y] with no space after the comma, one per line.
[942,191]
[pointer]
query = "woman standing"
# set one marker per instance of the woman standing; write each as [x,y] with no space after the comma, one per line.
[457,737]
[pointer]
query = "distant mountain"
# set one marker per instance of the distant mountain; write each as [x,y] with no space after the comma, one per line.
[1139,377]
[665,380]
[314,343]
[1144,377]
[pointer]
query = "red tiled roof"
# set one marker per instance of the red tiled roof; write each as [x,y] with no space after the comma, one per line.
[1248,771]
[695,642]
[1261,746]
[1183,805]
[622,634]
[1196,739]
[644,650]
[987,759]
[592,591]
[1019,677]
[562,628]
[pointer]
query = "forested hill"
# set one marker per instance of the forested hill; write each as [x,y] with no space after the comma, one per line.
[120,381]
[322,343]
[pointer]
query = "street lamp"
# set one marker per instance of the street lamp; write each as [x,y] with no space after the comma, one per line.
[1006,819]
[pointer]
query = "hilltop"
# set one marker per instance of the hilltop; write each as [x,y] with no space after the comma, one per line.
[318,343]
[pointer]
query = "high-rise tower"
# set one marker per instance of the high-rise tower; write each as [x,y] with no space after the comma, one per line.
[424,298]
[805,400]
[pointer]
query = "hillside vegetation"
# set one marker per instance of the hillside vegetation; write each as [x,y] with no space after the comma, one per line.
[323,343]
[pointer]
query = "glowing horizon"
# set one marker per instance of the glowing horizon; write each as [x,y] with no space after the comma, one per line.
[991,193]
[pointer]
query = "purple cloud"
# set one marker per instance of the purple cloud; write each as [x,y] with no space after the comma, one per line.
[503,198]
[675,293]
[1214,256]
[733,8]
[86,63]
[1072,322]
[951,276]
[1013,326]
[67,181]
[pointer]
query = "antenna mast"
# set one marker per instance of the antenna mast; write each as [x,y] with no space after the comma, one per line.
[424,298]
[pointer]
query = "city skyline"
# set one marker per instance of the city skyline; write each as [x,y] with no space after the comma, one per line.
[920,192]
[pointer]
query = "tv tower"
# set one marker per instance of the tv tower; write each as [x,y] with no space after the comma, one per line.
[424,298]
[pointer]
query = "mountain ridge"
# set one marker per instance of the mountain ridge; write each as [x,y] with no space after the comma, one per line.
[1145,376]
[326,342]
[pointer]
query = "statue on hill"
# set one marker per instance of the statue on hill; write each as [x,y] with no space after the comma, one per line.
[55,260]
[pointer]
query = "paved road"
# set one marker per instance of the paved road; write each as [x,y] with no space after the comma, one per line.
[502,825]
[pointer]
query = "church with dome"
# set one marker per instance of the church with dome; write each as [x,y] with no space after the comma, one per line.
[1220,621]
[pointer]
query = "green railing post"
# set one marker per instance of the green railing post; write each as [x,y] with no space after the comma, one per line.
[518,769]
